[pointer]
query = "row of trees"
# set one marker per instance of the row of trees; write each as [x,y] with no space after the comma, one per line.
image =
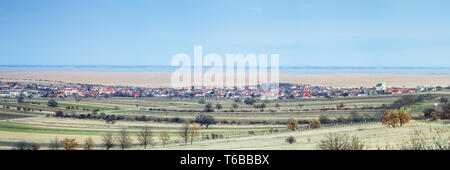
[56,144]
[248,101]
[124,141]
[189,132]
[23,145]
[409,100]
[293,125]
[391,118]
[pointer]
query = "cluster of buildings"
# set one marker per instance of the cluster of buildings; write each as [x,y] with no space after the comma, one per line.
[14,89]
[308,91]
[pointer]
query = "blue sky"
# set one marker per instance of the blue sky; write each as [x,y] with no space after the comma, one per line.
[303,32]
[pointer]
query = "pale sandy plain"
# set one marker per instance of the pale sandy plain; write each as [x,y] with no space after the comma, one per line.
[163,79]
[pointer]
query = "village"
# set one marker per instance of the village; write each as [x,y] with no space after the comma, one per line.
[285,91]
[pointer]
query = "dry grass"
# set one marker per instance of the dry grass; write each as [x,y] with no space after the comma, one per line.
[374,136]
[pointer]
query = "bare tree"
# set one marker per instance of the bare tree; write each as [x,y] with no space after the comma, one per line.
[35,146]
[69,144]
[88,144]
[164,136]
[124,140]
[108,141]
[54,144]
[184,132]
[194,132]
[145,137]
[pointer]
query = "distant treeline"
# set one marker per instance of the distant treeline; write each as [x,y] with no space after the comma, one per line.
[410,100]
[354,117]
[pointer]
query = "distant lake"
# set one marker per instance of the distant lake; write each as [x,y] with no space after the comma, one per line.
[298,69]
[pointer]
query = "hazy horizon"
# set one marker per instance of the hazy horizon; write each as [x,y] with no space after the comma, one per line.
[143,65]
[282,69]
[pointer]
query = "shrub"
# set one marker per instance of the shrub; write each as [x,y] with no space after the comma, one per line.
[341,142]
[356,117]
[59,114]
[52,103]
[443,100]
[218,106]
[324,119]
[35,146]
[341,119]
[340,106]
[292,124]
[277,105]
[176,120]
[237,100]
[249,101]
[224,122]
[20,99]
[261,106]
[290,139]
[208,108]
[234,106]
[314,124]
[444,113]
[216,136]
[428,112]
[202,101]
[418,140]
[22,145]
